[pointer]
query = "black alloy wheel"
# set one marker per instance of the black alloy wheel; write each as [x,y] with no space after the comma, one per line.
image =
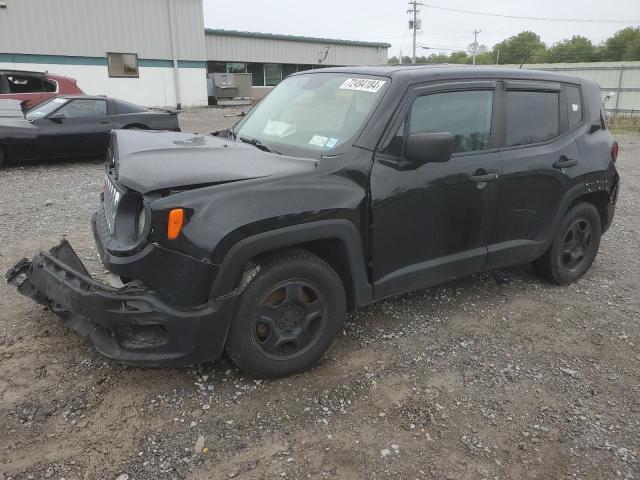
[574,246]
[288,315]
[290,318]
[577,244]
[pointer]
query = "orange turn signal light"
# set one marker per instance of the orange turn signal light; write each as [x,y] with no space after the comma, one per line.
[174,225]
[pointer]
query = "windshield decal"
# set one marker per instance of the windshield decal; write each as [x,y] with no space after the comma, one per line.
[331,142]
[362,85]
[318,141]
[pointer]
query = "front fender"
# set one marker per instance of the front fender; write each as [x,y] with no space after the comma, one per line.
[342,230]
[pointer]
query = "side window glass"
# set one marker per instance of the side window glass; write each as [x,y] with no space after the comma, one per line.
[84,108]
[574,106]
[531,117]
[49,86]
[18,84]
[465,114]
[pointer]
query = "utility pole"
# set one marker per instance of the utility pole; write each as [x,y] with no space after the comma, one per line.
[498,57]
[475,44]
[414,24]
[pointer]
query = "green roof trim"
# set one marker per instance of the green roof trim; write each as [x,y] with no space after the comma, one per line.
[294,38]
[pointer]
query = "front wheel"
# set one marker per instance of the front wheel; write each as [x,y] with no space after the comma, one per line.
[288,315]
[575,246]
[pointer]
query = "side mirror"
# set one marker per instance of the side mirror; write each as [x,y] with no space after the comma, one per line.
[57,116]
[595,126]
[429,147]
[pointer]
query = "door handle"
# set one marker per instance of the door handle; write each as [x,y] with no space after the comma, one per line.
[484,177]
[106,122]
[564,162]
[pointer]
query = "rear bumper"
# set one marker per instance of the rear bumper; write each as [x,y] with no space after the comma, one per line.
[130,324]
[611,205]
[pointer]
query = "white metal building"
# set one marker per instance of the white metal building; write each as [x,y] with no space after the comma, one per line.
[618,80]
[121,48]
[155,52]
[271,58]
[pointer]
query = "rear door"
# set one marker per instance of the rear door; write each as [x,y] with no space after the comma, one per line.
[79,129]
[539,159]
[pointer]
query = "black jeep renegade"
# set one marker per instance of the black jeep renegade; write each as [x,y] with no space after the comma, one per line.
[342,187]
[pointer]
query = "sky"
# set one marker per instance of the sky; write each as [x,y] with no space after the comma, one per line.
[387,20]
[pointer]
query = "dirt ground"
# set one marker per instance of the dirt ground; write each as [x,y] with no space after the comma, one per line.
[470,380]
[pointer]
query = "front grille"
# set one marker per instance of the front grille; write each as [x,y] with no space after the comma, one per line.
[112,197]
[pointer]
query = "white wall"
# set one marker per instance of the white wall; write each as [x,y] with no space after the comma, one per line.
[154,87]
[91,28]
[229,48]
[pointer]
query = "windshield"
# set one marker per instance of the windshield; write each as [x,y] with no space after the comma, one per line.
[45,108]
[318,112]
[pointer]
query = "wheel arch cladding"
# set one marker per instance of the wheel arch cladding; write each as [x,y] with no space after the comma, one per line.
[336,241]
[600,200]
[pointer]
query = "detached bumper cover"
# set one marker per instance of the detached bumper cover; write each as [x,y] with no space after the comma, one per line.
[130,324]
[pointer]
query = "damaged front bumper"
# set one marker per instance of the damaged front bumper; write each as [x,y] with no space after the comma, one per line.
[129,324]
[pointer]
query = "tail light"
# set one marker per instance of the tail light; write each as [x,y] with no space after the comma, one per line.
[614,151]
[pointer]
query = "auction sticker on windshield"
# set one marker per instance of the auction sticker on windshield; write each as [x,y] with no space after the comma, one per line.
[362,84]
[318,141]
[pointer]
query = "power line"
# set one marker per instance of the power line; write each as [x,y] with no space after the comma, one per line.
[520,17]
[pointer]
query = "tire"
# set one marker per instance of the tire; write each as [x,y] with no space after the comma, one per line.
[574,247]
[288,315]
[2,156]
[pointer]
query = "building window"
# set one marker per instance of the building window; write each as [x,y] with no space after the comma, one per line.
[257,74]
[288,69]
[216,67]
[272,74]
[233,67]
[122,64]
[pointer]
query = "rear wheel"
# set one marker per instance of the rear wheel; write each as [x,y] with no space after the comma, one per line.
[574,247]
[288,315]
[2,155]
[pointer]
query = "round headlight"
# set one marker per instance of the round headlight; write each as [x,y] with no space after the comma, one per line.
[142,221]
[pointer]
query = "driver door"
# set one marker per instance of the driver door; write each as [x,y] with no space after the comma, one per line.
[430,220]
[79,129]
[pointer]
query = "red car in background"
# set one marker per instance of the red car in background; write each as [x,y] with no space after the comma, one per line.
[35,87]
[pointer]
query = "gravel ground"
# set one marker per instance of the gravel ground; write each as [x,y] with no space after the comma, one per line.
[470,380]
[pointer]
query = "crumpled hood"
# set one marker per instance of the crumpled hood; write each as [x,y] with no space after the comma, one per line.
[151,160]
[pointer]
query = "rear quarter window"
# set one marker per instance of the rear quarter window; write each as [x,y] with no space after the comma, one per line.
[531,117]
[126,107]
[574,106]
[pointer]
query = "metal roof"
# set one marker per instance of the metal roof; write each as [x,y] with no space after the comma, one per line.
[294,38]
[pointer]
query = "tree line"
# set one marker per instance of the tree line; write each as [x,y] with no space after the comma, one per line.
[526,47]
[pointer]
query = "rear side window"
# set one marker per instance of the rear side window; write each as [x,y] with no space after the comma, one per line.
[531,117]
[84,108]
[24,84]
[574,106]
[126,107]
[49,86]
[466,114]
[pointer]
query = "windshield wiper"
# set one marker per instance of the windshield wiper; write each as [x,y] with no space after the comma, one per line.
[258,144]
